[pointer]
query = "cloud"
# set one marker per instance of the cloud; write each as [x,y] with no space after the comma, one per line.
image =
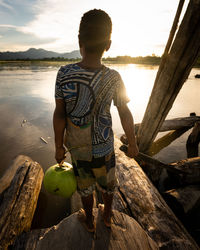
[5,5]
[9,26]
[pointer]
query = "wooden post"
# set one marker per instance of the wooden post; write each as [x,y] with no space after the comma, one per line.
[178,64]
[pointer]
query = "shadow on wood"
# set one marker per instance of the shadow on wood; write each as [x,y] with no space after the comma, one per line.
[125,233]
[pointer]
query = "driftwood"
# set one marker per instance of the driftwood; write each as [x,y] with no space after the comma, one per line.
[20,187]
[193,140]
[125,233]
[148,207]
[171,77]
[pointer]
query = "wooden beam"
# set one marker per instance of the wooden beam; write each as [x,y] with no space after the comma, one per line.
[166,140]
[178,64]
[19,199]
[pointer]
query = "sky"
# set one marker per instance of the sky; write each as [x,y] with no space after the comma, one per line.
[140,27]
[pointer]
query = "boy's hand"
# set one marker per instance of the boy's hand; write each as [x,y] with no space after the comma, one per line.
[60,154]
[132,151]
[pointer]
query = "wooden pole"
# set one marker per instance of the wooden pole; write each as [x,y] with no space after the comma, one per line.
[178,64]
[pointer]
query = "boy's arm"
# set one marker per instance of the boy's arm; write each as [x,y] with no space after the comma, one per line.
[128,126]
[59,124]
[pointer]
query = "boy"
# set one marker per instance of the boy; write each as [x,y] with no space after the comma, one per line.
[79,87]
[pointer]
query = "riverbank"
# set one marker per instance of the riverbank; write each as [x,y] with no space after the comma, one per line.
[146,60]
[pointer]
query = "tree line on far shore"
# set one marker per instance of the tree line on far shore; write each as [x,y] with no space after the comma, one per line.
[149,60]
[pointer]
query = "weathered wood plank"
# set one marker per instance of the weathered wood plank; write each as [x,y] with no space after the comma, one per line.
[148,207]
[18,200]
[69,234]
[178,64]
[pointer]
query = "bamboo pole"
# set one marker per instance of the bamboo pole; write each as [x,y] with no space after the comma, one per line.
[178,64]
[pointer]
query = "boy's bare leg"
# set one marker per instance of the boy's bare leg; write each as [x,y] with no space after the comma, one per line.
[107,211]
[88,217]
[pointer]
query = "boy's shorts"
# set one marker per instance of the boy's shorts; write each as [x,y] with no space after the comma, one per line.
[100,171]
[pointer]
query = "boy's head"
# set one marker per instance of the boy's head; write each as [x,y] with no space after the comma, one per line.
[95,31]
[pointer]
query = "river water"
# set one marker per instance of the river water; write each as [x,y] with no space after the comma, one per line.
[26,109]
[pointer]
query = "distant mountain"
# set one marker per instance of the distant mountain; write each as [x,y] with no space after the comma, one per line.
[37,54]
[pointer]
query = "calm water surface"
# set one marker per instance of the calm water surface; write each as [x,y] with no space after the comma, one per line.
[26,109]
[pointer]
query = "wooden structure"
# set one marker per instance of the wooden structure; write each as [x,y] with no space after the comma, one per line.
[136,196]
[174,124]
[176,66]
[19,187]
[176,128]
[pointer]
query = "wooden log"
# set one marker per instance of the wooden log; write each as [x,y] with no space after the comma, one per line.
[152,167]
[187,198]
[192,144]
[190,171]
[18,199]
[11,171]
[178,64]
[69,234]
[148,207]
[185,202]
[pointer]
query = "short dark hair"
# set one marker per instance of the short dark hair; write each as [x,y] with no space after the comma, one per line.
[95,30]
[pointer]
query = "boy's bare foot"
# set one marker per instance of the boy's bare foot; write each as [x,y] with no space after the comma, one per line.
[106,217]
[87,223]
